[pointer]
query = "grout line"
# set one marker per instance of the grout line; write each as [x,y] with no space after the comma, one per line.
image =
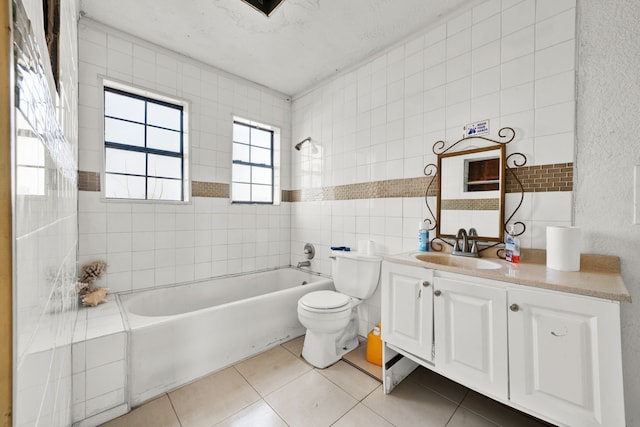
[359,368]
[459,404]
[258,393]
[174,409]
[275,411]
[372,409]
[348,410]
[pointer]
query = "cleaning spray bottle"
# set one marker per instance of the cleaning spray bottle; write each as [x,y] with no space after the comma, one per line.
[512,246]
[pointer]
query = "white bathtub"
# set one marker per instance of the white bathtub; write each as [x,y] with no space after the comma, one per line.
[180,333]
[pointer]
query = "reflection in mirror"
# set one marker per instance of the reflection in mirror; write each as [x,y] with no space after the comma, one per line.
[471,192]
[30,159]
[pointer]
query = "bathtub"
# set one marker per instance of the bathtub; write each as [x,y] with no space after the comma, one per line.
[180,333]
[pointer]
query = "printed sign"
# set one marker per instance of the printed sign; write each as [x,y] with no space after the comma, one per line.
[476,129]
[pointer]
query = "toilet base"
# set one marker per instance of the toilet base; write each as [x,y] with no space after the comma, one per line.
[324,349]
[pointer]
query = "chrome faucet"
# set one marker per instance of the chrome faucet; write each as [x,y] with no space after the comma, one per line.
[474,242]
[304,264]
[461,245]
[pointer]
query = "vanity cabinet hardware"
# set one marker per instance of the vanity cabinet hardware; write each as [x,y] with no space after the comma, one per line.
[426,284]
[514,307]
[437,293]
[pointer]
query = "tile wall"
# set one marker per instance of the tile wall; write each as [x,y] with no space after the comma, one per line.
[45,229]
[152,244]
[99,365]
[508,61]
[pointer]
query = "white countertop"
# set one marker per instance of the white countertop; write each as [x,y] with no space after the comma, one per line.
[598,277]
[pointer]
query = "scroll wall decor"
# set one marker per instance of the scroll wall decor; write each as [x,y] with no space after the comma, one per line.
[507,166]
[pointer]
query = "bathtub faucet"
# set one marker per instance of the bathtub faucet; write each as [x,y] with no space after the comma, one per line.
[304,264]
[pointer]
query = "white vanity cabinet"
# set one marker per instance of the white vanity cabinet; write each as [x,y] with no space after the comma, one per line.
[552,354]
[470,339]
[407,308]
[565,357]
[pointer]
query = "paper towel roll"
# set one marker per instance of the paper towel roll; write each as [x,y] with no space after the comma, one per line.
[367,247]
[563,248]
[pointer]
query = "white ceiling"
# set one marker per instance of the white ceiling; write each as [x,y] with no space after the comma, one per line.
[301,44]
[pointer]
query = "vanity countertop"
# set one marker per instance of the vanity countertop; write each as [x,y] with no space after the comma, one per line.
[598,277]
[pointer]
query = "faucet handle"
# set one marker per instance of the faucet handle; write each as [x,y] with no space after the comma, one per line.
[474,246]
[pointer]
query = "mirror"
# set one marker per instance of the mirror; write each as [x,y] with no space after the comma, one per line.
[471,192]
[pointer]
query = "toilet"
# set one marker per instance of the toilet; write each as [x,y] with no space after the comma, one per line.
[331,318]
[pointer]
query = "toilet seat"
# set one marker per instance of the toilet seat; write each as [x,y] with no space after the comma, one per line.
[325,302]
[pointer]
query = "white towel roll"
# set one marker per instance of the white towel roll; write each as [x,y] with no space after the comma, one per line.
[563,248]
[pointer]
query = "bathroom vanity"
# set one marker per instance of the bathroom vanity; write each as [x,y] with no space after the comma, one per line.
[545,342]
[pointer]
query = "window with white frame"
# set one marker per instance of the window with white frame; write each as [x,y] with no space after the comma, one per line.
[30,159]
[145,146]
[255,163]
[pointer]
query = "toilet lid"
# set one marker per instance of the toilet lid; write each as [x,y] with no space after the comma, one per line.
[325,300]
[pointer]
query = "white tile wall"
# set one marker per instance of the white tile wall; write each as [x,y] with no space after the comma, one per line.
[45,256]
[511,62]
[99,364]
[151,244]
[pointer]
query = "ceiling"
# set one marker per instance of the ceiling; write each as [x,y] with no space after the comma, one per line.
[302,43]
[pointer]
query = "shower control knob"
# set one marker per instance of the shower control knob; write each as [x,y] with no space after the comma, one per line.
[309,251]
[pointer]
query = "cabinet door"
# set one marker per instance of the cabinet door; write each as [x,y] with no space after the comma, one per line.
[407,308]
[565,357]
[471,334]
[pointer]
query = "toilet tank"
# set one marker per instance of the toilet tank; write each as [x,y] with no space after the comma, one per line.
[354,274]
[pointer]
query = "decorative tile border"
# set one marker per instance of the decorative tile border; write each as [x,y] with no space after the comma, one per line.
[209,189]
[543,178]
[287,195]
[471,204]
[409,187]
[88,181]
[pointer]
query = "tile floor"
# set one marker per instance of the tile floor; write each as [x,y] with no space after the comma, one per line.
[278,388]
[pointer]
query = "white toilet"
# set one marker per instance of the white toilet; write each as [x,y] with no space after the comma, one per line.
[331,318]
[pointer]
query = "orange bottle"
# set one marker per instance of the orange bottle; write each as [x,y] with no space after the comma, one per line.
[374,346]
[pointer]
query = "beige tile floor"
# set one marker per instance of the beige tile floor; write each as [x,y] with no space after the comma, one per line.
[278,388]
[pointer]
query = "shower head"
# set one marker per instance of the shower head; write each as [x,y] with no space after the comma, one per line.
[299,144]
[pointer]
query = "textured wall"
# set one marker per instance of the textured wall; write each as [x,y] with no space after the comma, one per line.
[607,149]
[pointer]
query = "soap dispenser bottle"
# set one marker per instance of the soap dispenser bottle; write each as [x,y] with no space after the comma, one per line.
[512,246]
[423,236]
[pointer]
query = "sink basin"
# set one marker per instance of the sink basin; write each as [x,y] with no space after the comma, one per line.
[456,261]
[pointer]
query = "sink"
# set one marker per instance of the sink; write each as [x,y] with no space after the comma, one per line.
[483,264]
[456,261]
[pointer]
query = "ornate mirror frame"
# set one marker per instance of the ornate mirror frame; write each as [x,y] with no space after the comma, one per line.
[500,152]
[508,178]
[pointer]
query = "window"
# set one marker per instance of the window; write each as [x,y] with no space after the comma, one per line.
[252,177]
[30,159]
[145,147]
